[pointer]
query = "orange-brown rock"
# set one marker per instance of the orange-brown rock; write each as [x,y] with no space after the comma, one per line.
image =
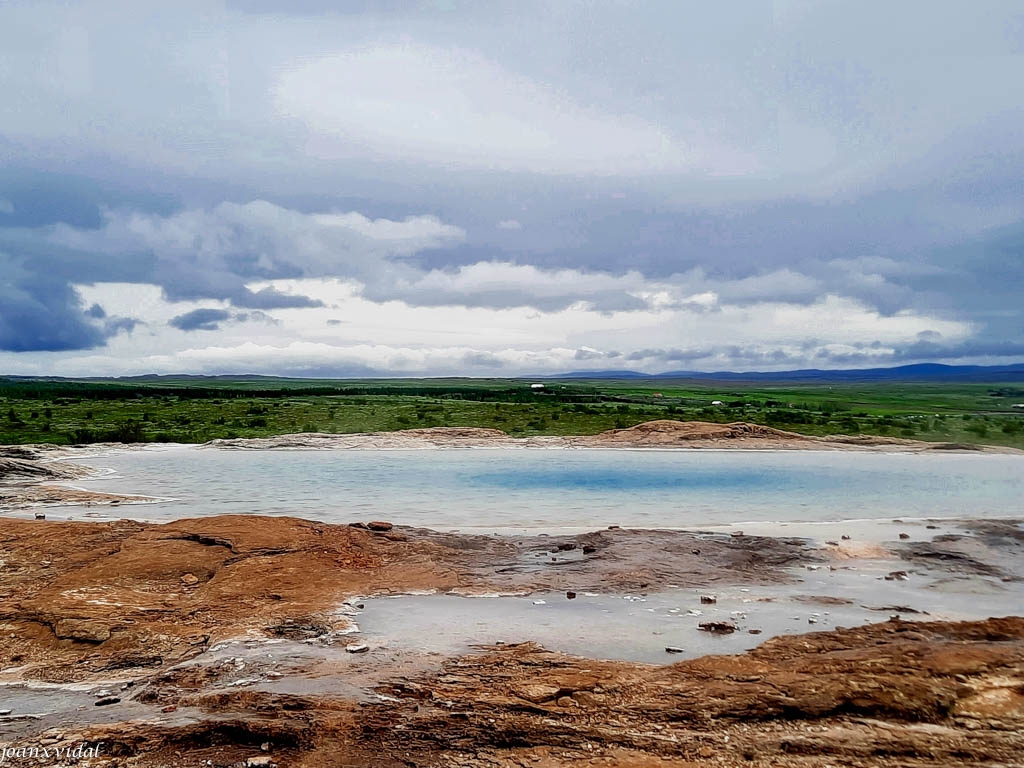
[891,694]
[81,598]
[121,595]
[84,602]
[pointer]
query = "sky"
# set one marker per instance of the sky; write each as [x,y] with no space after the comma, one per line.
[459,187]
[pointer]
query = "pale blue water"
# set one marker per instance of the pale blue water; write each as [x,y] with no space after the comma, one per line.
[518,489]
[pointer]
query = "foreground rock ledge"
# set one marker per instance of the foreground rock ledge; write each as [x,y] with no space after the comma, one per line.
[81,599]
[91,602]
[893,694]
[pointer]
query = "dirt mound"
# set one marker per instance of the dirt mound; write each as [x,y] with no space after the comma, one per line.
[669,432]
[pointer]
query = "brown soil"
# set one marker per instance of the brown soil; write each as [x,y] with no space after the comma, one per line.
[666,432]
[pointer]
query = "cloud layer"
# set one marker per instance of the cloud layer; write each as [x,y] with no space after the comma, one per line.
[477,188]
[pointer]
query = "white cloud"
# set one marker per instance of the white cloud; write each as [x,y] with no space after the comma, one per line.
[212,253]
[508,224]
[337,286]
[399,338]
[233,252]
[318,240]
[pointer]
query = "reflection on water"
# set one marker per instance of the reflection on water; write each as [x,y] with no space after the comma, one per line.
[546,489]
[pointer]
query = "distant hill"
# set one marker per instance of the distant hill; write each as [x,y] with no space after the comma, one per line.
[922,372]
[918,372]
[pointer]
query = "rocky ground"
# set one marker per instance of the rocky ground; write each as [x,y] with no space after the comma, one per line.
[225,641]
[81,599]
[171,625]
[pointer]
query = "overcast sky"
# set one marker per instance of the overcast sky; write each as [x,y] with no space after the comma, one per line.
[492,188]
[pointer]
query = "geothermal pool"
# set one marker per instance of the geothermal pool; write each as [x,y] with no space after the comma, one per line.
[515,490]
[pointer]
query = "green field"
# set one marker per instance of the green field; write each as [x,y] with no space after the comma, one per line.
[196,409]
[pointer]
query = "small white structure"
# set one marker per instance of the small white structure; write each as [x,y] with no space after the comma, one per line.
[717,402]
[536,386]
[1019,406]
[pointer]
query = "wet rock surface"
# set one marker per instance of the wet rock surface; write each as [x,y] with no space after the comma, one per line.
[80,599]
[887,694]
[617,559]
[982,548]
[13,469]
[56,495]
[231,639]
[28,474]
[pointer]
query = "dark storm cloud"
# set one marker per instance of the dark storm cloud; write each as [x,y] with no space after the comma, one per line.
[205,319]
[191,255]
[201,320]
[116,325]
[39,308]
[40,313]
[271,298]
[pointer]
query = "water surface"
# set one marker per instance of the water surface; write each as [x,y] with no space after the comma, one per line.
[517,489]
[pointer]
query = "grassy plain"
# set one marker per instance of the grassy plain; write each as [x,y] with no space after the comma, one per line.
[197,409]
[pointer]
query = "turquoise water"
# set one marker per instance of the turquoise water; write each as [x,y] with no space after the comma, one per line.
[522,489]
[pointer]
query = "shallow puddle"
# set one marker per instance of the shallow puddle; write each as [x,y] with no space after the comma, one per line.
[639,627]
[35,707]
